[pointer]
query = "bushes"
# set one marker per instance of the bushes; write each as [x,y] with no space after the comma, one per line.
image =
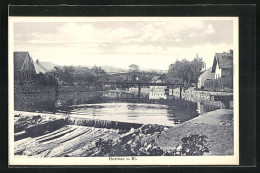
[220,84]
[194,145]
[133,145]
[45,80]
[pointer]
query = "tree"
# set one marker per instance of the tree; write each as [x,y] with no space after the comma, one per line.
[196,67]
[181,70]
[98,73]
[84,75]
[69,75]
[45,79]
[187,71]
[65,74]
[58,74]
[133,68]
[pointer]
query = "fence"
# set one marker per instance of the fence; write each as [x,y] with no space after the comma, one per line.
[220,84]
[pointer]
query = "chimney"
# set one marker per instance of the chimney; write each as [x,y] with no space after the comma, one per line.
[37,61]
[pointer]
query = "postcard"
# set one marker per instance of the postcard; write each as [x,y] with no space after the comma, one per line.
[123,91]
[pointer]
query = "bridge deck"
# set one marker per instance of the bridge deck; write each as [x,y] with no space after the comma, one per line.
[139,83]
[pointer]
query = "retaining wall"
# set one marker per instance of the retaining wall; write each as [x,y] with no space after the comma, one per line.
[223,99]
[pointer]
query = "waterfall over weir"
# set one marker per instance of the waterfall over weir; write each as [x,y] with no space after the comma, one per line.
[103,124]
[28,127]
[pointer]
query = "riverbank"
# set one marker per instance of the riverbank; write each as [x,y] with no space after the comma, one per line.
[63,136]
[217,126]
[223,99]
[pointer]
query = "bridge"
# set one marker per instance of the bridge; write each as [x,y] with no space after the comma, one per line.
[125,80]
[139,84]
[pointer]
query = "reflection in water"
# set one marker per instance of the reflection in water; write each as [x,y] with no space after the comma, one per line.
[51,102]
[142,113]
[168,113]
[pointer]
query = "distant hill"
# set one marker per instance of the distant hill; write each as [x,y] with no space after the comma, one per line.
[112,69]
[108,69]
[154,70]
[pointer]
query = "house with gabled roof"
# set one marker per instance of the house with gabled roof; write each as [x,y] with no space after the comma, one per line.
[24,69]
[223,65]
[43,67]
[157,79]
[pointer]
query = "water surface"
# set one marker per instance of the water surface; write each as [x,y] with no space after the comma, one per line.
[169,113]
[141,113]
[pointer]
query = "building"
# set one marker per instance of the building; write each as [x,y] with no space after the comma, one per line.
[117,94]
[24,69]
[158,91]
[206,75]
[223,65]
[43,67]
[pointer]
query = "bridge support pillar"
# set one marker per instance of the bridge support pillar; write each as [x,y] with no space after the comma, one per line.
[139,91]
[180,92]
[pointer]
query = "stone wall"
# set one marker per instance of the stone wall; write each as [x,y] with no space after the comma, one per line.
[204,96]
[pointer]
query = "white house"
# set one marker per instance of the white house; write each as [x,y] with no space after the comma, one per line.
[158,91]
[206,75]
[223,65]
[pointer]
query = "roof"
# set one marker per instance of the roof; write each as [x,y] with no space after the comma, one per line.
[156,79]
[224,60]
[19,58]
[207,74]
[43,67]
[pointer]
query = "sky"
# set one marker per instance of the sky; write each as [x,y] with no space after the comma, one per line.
[152,43]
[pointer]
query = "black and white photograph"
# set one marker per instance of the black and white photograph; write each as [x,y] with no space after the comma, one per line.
[123,91]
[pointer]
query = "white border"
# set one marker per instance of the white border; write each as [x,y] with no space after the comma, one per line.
[141,160]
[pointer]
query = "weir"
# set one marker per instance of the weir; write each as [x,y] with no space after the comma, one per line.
[103,124]
[47,127]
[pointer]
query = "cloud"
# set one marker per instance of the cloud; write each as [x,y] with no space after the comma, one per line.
[209,29]
[178,40]
[192,35]
[78,33]
[163,41]
[146,56]
[116,32]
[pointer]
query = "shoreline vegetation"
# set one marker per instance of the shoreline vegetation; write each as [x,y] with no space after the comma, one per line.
[50,135]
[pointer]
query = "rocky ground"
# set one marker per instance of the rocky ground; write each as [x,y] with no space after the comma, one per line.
[43,135]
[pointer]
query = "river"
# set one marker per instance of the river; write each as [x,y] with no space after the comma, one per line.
[92,106]
[141,113]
